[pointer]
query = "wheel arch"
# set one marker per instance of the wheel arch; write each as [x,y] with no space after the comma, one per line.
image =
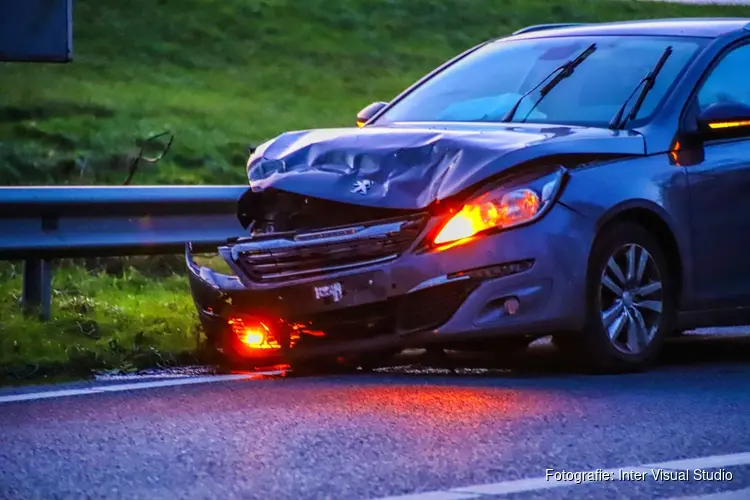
[656,221]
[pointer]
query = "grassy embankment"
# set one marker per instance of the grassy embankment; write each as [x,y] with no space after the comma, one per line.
[219,74]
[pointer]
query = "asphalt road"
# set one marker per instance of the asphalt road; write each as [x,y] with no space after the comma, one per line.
[373,436]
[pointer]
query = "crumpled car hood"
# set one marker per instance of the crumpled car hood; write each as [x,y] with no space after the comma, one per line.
[412,166]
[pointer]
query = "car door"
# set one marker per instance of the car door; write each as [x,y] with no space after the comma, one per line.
[720,193]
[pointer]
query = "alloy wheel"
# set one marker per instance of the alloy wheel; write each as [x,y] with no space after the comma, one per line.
[631,299]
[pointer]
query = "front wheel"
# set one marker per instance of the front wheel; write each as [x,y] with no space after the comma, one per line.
[630,302]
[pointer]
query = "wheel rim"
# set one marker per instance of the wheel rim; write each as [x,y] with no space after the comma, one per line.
[631,299]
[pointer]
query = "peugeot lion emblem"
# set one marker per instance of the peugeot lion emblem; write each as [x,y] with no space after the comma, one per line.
[362,186]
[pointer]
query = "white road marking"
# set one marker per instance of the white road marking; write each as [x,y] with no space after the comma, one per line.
[712,462]
[545,483]
[724,495]
[32,396]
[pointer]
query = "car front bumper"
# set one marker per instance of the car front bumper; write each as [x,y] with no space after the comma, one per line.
[452,295]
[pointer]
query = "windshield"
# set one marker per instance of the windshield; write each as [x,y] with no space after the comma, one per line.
[486,84]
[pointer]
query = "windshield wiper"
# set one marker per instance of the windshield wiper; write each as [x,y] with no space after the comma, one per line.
[563,71]
[647,82]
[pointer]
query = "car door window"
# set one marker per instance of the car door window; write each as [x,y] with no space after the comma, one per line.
[728,80]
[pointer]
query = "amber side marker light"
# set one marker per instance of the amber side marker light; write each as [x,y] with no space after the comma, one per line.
[253,334]
[675,153]
[717,125]
[514,208]
[360,124]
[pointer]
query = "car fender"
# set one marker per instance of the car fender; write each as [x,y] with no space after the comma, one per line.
[644,189]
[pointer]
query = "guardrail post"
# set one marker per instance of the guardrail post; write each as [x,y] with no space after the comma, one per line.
[37,288]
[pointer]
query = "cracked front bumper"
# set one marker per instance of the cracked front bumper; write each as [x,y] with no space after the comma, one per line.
[452,295]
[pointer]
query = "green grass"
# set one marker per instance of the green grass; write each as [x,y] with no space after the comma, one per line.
[220,75]
[103,319]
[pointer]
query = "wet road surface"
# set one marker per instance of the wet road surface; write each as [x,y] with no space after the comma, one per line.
[477,433]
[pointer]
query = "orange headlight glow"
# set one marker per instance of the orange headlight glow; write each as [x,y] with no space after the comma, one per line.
[513,208]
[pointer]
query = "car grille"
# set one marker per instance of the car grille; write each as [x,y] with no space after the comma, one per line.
[429,308]
[303,256]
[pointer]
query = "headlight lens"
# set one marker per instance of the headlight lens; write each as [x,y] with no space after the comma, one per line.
[502,208]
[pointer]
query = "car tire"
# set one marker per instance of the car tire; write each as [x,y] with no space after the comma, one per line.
[630,303]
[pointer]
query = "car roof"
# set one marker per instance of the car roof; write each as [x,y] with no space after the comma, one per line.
[689,27]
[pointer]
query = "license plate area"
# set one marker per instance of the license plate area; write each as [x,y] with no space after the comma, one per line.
[331,294]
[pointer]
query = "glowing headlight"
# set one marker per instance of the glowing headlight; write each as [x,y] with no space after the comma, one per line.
[501,208]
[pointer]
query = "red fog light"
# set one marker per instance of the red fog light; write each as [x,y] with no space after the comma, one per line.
[253,334]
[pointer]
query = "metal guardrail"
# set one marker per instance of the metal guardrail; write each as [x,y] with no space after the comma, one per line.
[40,224]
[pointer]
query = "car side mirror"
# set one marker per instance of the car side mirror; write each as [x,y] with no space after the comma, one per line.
[368,112]
[724,120]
